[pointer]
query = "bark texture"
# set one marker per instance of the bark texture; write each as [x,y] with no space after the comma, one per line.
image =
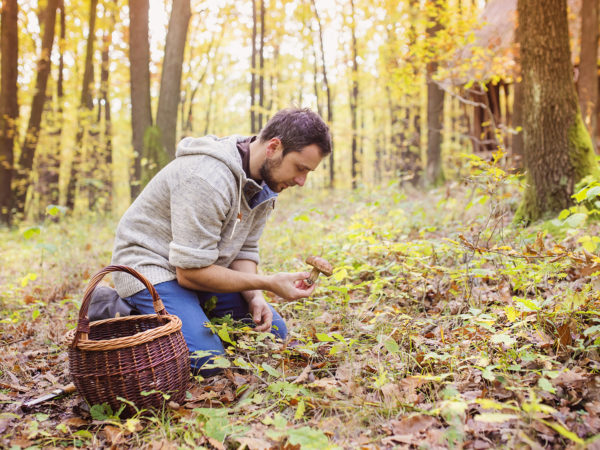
[79,170]
[328,92]
[588,66]
[21,182]
[9,105]
[170,81]
[139,70]
[354,99]
[434,174]
[558,149]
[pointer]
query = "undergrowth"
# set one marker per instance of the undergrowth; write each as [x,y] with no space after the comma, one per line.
[443,325]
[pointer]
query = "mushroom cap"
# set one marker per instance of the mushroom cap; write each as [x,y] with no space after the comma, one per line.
[320,264]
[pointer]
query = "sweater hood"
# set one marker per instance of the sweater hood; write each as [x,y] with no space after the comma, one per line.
[223,149]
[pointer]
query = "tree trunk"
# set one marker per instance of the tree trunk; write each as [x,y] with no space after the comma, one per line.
[588,67]
[104,156]
[48,160]
[434,173]
[37,107]
[9,105]
[86,108]
[253,121]
[170,81]
[261,68]
[316,82]
[558,148]
[354,100]
[139,78]
[328,92]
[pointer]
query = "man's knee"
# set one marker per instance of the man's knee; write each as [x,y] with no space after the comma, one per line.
[278,328]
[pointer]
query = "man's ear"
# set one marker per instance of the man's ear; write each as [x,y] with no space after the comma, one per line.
[273,145]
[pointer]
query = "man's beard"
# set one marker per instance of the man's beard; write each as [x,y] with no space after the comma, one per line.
[266,173]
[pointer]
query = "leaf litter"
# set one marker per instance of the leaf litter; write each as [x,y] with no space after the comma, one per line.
[442,326]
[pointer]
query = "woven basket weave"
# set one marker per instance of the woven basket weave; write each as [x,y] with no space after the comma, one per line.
[126,356]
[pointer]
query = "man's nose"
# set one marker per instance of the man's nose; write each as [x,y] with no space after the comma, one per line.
[300,180]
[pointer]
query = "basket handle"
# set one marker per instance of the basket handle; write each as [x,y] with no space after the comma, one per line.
[83,324]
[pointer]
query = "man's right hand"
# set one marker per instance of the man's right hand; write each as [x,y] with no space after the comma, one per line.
[290,286]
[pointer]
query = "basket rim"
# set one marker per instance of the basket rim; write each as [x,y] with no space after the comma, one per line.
[173,325]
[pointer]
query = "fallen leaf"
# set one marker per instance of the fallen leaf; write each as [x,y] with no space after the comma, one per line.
[75,422]
[254,443]
[413,424]
[114,435]
[398,439]
[216,444]
[570,379]
[304,375]
[564,336]
[391,394]
[163,445]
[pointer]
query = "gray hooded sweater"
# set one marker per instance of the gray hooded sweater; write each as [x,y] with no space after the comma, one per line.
[200,209]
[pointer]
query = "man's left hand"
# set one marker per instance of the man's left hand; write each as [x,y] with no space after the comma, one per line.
[261,313]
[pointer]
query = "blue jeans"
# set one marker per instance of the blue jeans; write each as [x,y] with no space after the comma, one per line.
[189,306]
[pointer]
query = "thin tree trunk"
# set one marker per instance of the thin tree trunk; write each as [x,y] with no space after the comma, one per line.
[435,118]
[139,77]
[354,100]
[86,108]
[37,107]
[9,105]
[316,83]
[558,148]
[48,160]
[104,165]
[170,81]
[189,126]
[328,92]
[588,67]
[253,120]
[261,74]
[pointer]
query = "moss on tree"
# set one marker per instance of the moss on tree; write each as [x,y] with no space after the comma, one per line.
[583,162]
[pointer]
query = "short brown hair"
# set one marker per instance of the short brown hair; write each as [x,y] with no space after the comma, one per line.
[297,128]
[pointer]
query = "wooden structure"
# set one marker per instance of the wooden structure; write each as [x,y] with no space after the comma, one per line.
[487,73]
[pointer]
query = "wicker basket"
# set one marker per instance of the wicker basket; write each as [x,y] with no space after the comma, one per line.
[127,356]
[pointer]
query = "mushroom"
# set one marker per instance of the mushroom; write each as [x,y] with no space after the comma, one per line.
[319,265]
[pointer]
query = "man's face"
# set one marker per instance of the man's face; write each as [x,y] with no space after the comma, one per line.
[280,172]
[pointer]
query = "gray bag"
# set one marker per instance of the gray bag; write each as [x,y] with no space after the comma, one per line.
[106,304]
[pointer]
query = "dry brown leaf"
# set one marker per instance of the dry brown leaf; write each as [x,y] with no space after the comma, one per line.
[227,396]
[413,424]
[21,442]
[114,435]
[329,385]
[570,378]
[304,375]
[409,386]
[564,335]
[163,445]
[398,439]
[216,444]
[236,378]
[254,443]
[75,422]
[391,394]
[593,408]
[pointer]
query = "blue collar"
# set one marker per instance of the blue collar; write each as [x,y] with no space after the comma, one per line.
[262,196]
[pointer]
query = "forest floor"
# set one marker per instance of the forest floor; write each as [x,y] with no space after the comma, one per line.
[443,326]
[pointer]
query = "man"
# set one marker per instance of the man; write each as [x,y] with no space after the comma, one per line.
[193,231]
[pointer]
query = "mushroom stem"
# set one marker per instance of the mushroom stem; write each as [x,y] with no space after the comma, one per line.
[314,274]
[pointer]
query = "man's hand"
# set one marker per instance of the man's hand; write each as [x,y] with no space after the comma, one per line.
[290,286]
[261,313]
